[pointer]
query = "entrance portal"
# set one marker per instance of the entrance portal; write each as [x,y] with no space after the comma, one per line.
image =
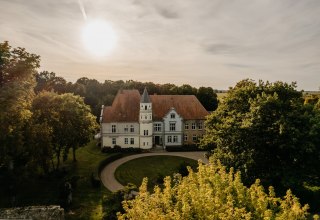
[157,140]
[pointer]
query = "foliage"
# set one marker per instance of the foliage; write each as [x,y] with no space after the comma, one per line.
[69,119]
[211,193]
[112,203]
[17,68]
[97,94]
[265,131]
[184,148]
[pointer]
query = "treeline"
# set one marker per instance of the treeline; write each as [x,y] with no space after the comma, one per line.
[96,93]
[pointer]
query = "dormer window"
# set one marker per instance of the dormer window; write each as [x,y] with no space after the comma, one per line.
[172,115]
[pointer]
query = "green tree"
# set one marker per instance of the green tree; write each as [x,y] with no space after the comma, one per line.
[267,132]
[48,81]
[211,193]
[70,119]
[17,69]
[208,98]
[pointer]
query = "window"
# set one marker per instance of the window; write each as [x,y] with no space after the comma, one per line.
[172,115]
[145,107]
[175,139]
[200,125]
[185,137]
[194,138]
[113,128]
[131,128]
[186,126]
[131,140]
[169,139]
[126,129]
[172,127]
[157,127]
[145,132]
[193,126]
[126,141]
[114,141]
[144,143]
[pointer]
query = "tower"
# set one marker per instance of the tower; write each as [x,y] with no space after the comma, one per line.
[145,120]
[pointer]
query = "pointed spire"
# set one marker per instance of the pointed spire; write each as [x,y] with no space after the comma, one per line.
[145,96]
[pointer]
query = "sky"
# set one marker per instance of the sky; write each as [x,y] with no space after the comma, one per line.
[198,42]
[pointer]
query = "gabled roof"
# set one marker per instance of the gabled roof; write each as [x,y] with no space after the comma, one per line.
[125,107]
[187,106]
[145,97]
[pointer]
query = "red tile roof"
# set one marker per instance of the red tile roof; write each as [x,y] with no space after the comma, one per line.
[187,106]
[125,107]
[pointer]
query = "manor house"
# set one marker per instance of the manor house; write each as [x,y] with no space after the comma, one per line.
[145,121]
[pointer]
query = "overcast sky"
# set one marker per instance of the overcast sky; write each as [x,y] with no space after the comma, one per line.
[199,42]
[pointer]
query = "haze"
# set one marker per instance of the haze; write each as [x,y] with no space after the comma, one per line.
[201,43]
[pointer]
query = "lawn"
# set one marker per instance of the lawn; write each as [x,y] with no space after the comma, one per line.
[152,167]
[86,202]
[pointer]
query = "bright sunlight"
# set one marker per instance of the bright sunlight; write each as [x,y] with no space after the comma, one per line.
[99,38]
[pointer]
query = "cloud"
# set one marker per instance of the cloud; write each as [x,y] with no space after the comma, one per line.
[167,13]
[221,48]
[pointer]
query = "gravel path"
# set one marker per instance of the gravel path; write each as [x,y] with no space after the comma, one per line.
[107,174]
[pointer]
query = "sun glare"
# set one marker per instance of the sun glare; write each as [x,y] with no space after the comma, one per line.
[99,38]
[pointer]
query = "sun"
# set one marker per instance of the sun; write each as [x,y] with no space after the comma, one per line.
[99,37]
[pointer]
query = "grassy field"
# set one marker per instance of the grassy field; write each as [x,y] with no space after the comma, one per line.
[86,202]
[152,167]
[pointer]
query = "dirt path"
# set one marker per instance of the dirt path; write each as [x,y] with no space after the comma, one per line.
[107,174]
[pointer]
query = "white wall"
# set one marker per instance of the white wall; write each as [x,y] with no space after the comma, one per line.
[178,131]
[120,141]
[120,134]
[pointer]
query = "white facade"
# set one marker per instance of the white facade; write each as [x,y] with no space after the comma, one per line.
[121,134]
[146,129]
[173,128]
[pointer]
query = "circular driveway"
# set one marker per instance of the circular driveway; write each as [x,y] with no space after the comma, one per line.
[107,174]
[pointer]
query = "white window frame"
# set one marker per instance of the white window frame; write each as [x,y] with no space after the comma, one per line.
[200,127]
[193,126]
[131,128]
[157,127]
[175,139]
[113,128]
[131,140]
[172,126]
[194,138]
[126,141]
[172,115]
[185,137]
[186,126]
[169,139]
[145,132]
[114,141]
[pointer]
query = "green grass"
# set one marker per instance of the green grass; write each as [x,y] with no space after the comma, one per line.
[135,170]
[86,199]
[86,202]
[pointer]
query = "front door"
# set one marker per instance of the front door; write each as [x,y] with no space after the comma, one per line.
[157,140]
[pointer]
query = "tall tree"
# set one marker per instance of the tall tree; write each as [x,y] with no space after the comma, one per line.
[17,69]
[70,119]
[267,132]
